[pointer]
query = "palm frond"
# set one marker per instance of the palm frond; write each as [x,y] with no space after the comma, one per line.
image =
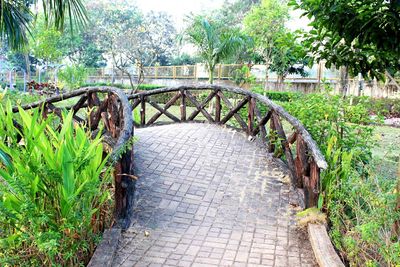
[14,23]
[58,11]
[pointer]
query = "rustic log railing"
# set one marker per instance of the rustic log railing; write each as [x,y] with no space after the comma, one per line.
[110,108]
[303,159]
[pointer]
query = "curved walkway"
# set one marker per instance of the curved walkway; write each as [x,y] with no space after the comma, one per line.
[207,196]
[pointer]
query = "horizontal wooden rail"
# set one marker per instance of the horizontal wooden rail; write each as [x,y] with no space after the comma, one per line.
[304,161]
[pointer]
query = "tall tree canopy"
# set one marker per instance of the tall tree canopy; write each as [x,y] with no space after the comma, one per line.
[361,35]
[265,23]
[213,40]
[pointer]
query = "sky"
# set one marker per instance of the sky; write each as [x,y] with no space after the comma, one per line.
[178,9]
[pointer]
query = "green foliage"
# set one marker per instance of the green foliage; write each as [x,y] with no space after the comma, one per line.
[16,18]
[46,43]
[265,23]
[73,76]
[289,56]
[362,35]
[277,96]
[214,41]
[243,76]
[53,202]
[360,204]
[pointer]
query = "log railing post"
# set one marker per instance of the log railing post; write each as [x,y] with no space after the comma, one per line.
[183,105]
[301,161]
[142,110]
[311,186]
[272,136]
[250,116]
[217,107]
[285,146]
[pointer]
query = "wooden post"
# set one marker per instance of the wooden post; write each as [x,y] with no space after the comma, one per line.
[272,138]
[219,71]
[183,105]
[301,161]
[285,146]
[311,186]
[250,116]
[156,72]
[217,108]
[142,110]
[174,72]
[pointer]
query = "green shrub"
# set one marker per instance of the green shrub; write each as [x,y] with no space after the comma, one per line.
[361,205]
[387,107]
[53,203]
[277,96]
[73,76]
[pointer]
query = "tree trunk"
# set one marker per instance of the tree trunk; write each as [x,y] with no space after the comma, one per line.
[211,107]
[344,80]
[211,75]
[266,85]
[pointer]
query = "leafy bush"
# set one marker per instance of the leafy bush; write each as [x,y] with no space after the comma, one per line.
[242,76]
[387,107]
[17,97]
[277,96]
[53,206]
[73,76]
[361,205]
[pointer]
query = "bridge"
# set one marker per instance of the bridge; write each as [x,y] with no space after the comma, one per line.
[216,181]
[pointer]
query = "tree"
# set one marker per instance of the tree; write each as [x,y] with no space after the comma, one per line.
[362,36]
[130,38]
[16,18]
[265,23]
[288,57]
[81,48]
[232,13]
[213,41]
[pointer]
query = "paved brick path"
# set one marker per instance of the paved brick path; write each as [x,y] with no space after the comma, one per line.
[206,196]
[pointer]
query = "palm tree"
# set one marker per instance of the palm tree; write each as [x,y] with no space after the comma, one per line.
[214,42]
[16,17]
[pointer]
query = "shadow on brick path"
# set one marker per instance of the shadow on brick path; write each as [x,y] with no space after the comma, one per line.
[207,196]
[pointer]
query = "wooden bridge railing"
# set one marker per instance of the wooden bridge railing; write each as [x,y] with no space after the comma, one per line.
[110,108]
[303,159]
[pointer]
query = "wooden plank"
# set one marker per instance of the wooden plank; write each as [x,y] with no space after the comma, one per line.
[285,146]
[301,161]
[311,186]
[95,116]
[272,138]
[142,110]
[164,109]
[324,251]
[79,104]
[233,111]
[250,115]
[135,103]
[218,108]
[200,107]
[260,127]
[161,110]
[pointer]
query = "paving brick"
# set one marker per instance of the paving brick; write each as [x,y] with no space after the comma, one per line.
[208,196]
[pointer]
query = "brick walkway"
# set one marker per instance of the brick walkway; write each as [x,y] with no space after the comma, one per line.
[206,196]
